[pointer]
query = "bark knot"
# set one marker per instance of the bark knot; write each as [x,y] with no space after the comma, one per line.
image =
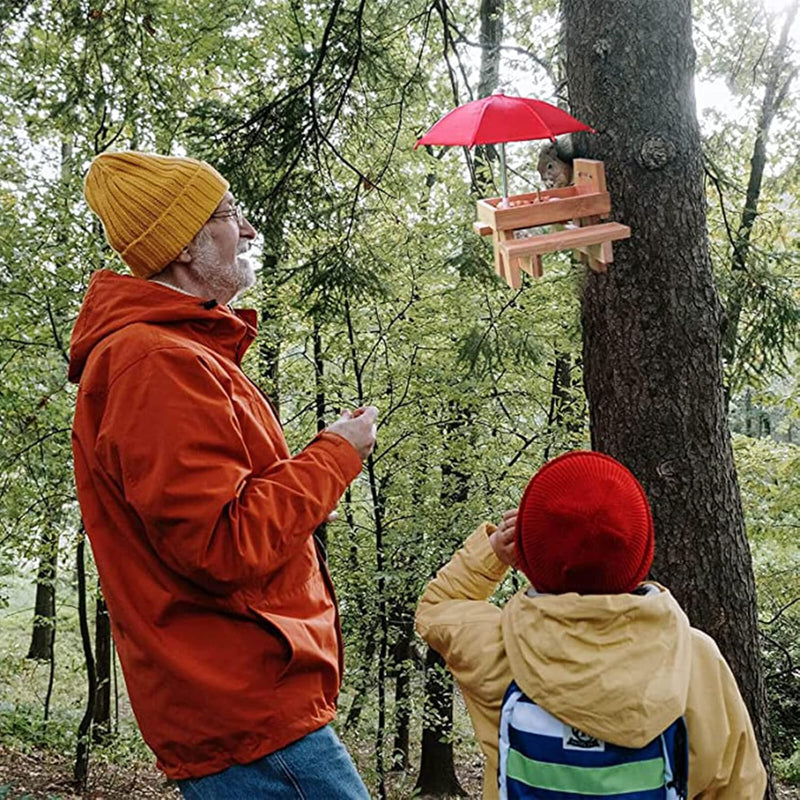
[602,47]
[656,152]
[668,469]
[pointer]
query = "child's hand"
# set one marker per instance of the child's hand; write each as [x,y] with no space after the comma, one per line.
[502,540]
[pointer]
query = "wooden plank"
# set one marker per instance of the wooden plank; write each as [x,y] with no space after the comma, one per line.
[486,212]
[552,211]
[545,194]
[597,256]
[588,175]
[598,252]
[482,229]
[532,265]
[570,239]
[499,261]
[507,268]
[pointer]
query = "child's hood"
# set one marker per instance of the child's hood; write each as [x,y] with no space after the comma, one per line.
[614,666]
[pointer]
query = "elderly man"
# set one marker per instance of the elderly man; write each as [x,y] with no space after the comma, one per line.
[201,522]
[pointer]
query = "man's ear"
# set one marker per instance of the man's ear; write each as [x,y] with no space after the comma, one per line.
[184,257]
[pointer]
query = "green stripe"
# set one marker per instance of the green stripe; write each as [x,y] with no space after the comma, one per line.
[637,776]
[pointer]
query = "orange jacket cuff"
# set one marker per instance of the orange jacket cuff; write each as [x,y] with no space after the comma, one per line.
[345,454]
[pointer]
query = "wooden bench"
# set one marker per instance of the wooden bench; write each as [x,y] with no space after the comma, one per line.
[581,207]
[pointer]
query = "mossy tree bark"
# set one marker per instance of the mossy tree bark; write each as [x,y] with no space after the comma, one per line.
[653,324]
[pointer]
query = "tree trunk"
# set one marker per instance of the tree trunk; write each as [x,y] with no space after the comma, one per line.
[563,417]
[362,684]
[402,688]
[652,324]
[491,37]
[101,721]
[437,774]
[319,405]
[44,618]
[775,93]
[269,339]
[80,772]
[378,495]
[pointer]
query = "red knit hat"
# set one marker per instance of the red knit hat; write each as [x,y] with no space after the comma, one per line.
[584,525]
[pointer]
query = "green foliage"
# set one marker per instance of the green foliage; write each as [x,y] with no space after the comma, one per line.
[312,113]
[770,478]
[788,769]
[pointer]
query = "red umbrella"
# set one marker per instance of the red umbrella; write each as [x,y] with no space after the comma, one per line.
[498,119]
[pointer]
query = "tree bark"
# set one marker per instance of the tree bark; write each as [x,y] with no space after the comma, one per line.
[101,721]
[269,340]
[44,618]
[437,774]
[775,92]
[652,324]
[491,37]
[319,406]
[563,414]
[80,772]
[403,670]
[361,686]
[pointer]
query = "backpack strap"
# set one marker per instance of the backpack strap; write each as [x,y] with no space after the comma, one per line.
[675,745]
[513,693]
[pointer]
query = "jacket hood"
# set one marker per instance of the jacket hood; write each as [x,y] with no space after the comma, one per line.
[615,666]
[115,301]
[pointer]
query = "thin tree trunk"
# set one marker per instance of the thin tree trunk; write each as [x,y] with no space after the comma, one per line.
[563,401]
[402,689]
[780,77]
[116,686]
[652,324]
[377,493]
[437,774]
[81,770]
[269,338]
[44,618]
[491,37]
[360,690]
[319,405]
[101,721]
[50,682]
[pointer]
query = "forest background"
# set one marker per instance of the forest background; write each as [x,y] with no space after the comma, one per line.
[374,288]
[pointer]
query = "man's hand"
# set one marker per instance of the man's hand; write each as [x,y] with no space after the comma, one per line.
[359,428]
[502,540]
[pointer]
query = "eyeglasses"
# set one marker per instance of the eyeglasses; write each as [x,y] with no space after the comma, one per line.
[233,210]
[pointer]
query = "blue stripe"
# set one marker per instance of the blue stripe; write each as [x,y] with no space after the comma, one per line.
[521,791]
[548,748]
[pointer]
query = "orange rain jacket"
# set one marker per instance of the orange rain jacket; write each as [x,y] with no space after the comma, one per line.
[201,524]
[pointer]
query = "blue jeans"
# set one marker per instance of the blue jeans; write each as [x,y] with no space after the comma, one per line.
[316,767]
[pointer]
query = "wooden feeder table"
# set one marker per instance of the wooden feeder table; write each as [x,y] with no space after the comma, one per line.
[580,208]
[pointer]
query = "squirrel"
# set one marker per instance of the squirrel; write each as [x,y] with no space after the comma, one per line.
[555,163]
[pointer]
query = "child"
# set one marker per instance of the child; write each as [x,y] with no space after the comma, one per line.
[613,659]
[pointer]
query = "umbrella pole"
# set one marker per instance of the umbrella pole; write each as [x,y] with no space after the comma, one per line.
[504,175]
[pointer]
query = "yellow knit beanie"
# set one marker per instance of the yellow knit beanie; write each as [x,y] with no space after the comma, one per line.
[151,206]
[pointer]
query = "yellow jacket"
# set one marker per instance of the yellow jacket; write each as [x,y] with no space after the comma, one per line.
[618,667]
